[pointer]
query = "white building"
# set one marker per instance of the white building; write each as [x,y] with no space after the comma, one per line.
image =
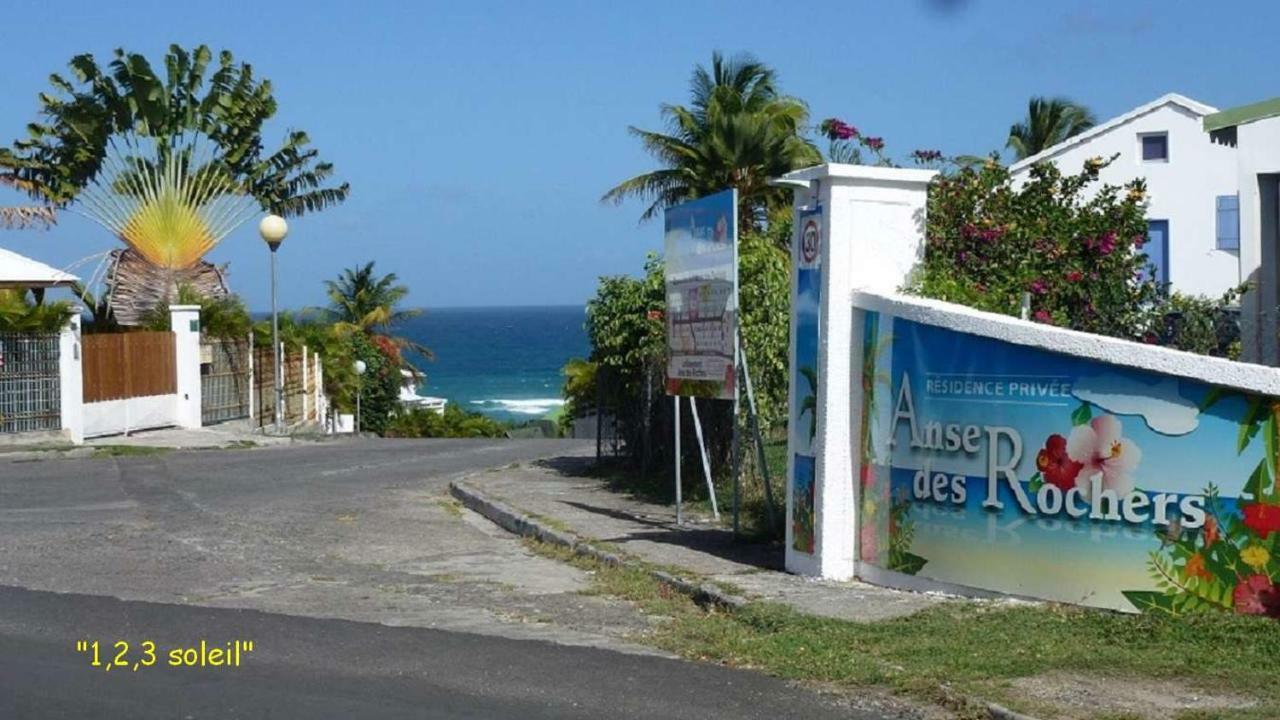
[1193,215]
[1252,132]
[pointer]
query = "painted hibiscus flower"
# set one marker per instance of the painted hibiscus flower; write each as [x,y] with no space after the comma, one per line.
[1262,518]
[1055,466]
[1100,449]
[1257,595]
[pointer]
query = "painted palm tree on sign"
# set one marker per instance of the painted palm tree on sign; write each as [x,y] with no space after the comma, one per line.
[738,131]
[1049,121]
[170,159]
[362,301]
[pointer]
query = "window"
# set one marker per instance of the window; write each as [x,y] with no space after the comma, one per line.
[1155,147]
[1228,225]
[1157,250]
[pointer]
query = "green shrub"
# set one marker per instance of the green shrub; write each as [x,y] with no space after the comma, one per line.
[454,422]
[19,313]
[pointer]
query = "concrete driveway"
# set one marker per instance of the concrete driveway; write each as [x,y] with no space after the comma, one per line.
[357,530]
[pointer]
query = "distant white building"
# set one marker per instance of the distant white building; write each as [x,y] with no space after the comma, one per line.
[1252,132]
[1193,212]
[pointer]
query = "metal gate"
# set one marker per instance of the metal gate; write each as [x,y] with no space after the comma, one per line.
[226,379]
[30,388]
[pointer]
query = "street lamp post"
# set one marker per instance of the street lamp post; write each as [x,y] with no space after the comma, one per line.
[273,229]
[360,367]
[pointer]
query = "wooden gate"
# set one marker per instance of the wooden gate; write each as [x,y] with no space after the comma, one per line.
[225,378]
[118,366]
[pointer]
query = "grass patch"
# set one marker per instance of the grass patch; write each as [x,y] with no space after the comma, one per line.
[111,451]
[974,648]
[451,506]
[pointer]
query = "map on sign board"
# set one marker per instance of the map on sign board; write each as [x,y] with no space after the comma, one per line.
[702,296]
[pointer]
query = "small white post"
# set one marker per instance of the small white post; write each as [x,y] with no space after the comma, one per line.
[306,399]
[71,378]
[253,385]
[184,320]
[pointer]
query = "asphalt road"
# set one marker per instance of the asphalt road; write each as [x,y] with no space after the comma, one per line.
[309,668]
[366,594]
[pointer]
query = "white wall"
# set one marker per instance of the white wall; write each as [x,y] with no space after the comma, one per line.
[116,417]
[1258,151]
[1182,191]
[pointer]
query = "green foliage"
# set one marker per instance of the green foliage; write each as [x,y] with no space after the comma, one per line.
[131,99]
[223,318]
[1074,247]
[1197,324]
[20,313]
[454,422]
[362,301]
[379,387]
[1049,121]
[764,296]
[738,131]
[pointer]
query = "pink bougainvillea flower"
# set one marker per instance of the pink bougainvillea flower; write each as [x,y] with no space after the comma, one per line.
[1043,316]
[1074,276]
[868,474]
[875,143]
[1100,449]
[1257,595]
[1055,465]
[1262,518]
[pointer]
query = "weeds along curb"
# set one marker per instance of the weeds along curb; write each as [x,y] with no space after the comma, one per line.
[514,521]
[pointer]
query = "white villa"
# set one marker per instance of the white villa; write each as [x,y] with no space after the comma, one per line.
[1252,133]
[1192,184]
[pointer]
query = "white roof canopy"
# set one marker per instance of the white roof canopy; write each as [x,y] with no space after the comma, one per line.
[18,271]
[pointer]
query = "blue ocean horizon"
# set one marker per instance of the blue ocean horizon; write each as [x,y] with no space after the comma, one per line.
[504,362]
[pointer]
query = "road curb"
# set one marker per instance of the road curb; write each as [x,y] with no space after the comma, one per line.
[520,523]
[515,521]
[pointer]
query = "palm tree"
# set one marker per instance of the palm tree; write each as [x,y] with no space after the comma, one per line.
[362,301]
[738,131]
[1049,122]
[169,160]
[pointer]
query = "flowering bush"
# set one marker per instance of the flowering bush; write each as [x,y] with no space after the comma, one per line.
[847,144]
[1075,247]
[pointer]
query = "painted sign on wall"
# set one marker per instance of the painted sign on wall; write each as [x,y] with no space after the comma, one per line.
[1015,469]
[701,254]
[804,378]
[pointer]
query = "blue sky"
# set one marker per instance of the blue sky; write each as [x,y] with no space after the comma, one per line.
[478,137]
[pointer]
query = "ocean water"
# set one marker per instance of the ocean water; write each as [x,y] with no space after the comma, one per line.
[503,362]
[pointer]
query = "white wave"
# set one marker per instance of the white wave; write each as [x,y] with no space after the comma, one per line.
[533,406]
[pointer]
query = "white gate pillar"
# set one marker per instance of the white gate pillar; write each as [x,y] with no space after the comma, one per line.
[871,236]
[71,378]
[184,320]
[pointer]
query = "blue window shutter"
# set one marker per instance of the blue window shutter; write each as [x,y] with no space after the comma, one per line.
[1157,250]
[1228,223]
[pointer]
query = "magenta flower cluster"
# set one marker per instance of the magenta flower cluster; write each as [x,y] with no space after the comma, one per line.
[988,234]
[926,156]
[875,143]
[1104,244]
[837,129]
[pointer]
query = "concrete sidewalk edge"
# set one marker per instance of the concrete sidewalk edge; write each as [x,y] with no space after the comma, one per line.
[517,522]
